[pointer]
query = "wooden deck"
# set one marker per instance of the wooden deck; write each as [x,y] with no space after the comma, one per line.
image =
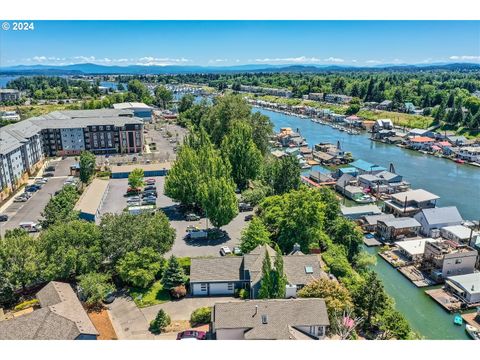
[371,242]
[446,300]
[416,276]
[472,319]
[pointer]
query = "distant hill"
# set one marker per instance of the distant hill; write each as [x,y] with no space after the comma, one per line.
[87,68]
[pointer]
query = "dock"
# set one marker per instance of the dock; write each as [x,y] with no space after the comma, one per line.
[472,318]
[416,276]
[446,300]
[371,242]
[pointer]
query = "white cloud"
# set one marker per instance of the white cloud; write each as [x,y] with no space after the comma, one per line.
[300,59]
[373,62]
[333,59]
[147,60]
[465,57]
[216,61]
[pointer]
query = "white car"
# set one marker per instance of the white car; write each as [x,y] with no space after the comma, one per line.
[225,250]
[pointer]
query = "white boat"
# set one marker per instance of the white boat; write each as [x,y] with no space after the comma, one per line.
[365,199]
[473,332]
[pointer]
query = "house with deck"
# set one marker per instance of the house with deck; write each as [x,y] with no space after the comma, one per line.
[433,219]
[466,287]
[397,228]
[408,203]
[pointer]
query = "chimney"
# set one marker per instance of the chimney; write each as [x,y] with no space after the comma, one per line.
[296,247]
[256,311]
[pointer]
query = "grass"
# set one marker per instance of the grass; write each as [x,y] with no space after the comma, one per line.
[28,111]
[154,295]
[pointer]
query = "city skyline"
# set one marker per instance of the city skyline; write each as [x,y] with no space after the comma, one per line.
[232,43]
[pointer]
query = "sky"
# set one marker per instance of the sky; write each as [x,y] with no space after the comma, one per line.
[224,43]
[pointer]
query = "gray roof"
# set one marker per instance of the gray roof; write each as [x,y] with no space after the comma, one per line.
[61,317]
[401,223]
[469,282]
[227,268]
[442,215]
[12,136]
[282,316]
[372,219]
[295,268]
[344,180]
[359,210]
[387,175]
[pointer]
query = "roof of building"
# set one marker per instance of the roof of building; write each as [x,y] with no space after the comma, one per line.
[270,319]
[131,105]
[419,131]
[442,215]
[401,222]
[366,166]
[387,175]
[91,199]
[372,219]
[421,139]
[459,231]
[343,180]
[469,282]
[368,177]
[61,317]
[301,269]
[145,167]
[361,209]
[414,247]
[13,135]
[216,269]
[418,195]
[9,91]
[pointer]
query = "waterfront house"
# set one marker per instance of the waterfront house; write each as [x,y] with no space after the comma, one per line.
[413,250]
[347,186]
[385,105]
[353,120]
[450,150]
[273,319]
[364,167]
[346,170]
[61,317]
[421,132]
[466,287]
[373,183]
[470,153]
[357,212]
[458,233]
[338,98]
[446,258]
[410,202]
[320,178]
[223,275]
[369,222]
[383,124]
[383,134]
[420,142]
[278,153]
[315,96]
[397,228]
[457,140]
[324,157]
[433,219]
[337,118]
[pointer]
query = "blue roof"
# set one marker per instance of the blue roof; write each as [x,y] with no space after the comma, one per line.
[366,166]
[348,170]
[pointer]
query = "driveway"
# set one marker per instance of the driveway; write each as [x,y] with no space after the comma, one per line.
[182,309]
[128,321]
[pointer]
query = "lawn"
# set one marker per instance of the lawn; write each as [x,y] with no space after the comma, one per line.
[400,119]
[154,295]
[28,111]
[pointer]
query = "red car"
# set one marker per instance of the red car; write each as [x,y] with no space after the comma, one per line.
[192,335]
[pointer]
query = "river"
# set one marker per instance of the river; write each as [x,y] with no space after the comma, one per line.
[456,184]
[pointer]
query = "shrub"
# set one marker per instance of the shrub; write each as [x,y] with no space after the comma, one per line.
[178,292]
[26,304]
[202,315]
[243,294]
[185,263]
[161,321]
[106,173]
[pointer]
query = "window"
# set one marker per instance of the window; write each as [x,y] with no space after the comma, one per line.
[203,287]
[320,331]
[312,330]
[230,286]
[100,128]
[94,128]
[264,319]
[308,270]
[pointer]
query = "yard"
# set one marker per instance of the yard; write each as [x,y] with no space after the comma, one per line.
[153,295]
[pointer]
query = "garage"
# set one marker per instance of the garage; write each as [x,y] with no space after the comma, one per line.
[200,289]
[221,288]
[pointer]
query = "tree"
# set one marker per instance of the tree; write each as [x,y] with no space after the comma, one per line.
[346,233]
[245,159]
[161,321]
[344,323]
[364,261]
[352,109]
[125,232]
[262,130]
[266,285]
[336,296]
[283,174]
[138,92]
[163,96]
[173,274]
[59,208]
[20,260]
[219,201]
[370,298]
[201,315]
[256,193]
[140,268]
[87,166]
[135,178]
[255,234]
[70,249]
[393,325]
[95,287]
[279,280]
[186,103]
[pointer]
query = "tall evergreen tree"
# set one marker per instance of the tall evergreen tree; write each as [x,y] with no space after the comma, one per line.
[279,278]
[266,286]
[173,274]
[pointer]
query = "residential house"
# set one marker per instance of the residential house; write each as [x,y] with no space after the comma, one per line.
[60,317]
[421,133]
[223,275]
[385,105]
[413,250]
[457,140]
[410,202]
[338,98]
[321,178]
[420,142]
[470,153]
[458,233]
[383,134]
[347,186]
[315,96]
[9,95]
[275,319]
[397,228]
[433,219]
[466,287]
[383,124]
[364,167]
[446,258]
[369,222]
[357,212]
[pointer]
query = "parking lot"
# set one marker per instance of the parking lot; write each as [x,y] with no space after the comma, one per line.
[115,202]
[31,210]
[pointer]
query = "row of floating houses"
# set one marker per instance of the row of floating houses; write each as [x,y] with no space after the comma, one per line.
[430,245]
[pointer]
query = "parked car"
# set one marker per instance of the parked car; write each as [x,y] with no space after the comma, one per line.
[150,188]
[133,199]
[41,180]
[225,250]
[20,199]
[32,188]
[3,217]
[248,217]
[237,250]
[197,234]
[48,174]
[50,168]
[150,181]
[192,335]
[30,226]
[149,193]
[149,201]
[132,191]
[192,228]
[192,217]
[245,207]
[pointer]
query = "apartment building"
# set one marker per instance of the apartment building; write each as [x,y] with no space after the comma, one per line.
[7,95]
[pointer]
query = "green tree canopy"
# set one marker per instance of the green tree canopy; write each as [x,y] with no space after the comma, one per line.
[59,208]
[140,268]
[173,274]
[219,201]
[87,166]
[336,296]
[163,96]
[253,235]
[135,178]
[370,298]
[186,103]
[95,287]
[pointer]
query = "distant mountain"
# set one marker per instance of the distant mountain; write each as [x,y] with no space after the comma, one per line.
[88,68]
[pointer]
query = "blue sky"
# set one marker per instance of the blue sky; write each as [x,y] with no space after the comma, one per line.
[223,43]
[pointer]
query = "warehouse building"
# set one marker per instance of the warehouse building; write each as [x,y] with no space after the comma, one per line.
[91,201]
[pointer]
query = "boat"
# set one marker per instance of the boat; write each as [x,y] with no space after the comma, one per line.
[473,332]
[460,161]
[457,319]
[365,199]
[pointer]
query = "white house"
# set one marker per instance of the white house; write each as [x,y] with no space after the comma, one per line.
[433,219]
[466,287]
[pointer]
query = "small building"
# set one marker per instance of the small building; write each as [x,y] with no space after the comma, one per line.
[383,124]
[457,140]
[413,250]
[315,96]
[370,221]
[421,133]
[458,233]
[357,212]
[274,319]
[122,171]
[385,105]
[397,228]
[9,95]
[91,201]
[364,167]
[470,153]
[338,98]
[61,317]
[408,203]
[446,258]
[140,110]
[420,142]
[466,287]
[432,220]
